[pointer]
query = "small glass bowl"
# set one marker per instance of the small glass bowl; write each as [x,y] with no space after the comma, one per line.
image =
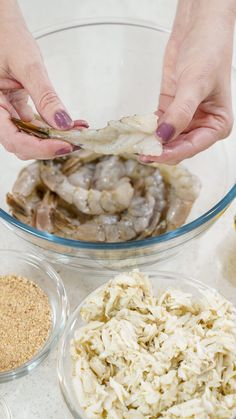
[5,412]
[160,282]
[13,262]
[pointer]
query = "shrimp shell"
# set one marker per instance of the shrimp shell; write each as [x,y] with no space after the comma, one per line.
[44,212]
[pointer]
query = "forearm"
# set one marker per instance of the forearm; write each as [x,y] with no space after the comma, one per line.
[191,12]
[10,13]
[214,9]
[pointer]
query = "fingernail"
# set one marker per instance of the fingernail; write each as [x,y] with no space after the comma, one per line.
[63,120]
[147,161]
[84,125]
[81,123]
[62,151]
[165,132]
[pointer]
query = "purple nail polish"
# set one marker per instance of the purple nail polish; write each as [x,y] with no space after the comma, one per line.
[63,120]
[62,151]
[165,132]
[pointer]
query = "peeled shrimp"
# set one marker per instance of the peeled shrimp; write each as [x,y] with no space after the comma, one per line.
[89,201]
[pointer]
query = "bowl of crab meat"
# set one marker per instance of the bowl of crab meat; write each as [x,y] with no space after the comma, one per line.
[153,345]
[100,206]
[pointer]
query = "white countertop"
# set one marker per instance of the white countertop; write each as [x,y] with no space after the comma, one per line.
[211,258]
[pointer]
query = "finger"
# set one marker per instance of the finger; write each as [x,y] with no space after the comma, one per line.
[32,74]
[180,111]
[164,103]
[46,99]
[186,146]
[29,147]
[6,106]
[7,84]
[159,113]
[19,100]
[24,111]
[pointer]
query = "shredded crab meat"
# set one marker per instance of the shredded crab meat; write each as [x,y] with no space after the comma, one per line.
[144,356]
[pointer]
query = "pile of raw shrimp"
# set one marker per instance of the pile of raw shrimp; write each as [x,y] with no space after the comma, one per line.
[97,198]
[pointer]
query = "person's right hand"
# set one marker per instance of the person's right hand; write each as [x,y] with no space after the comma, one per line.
[22,73]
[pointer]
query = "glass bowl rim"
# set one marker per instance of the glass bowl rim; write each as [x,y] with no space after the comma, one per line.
[216,210]
[172,275]
[56,332]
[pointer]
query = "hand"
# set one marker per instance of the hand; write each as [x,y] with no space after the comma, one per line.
[22,72]
[195,100]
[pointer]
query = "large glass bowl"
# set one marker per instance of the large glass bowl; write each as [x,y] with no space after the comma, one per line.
[13,262]
[160,282]
[5,412]
[104,70]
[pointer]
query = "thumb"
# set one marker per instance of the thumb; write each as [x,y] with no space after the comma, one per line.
[45,98]
[180,112]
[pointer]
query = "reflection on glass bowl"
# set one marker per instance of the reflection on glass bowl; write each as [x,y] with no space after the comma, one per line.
[119,74]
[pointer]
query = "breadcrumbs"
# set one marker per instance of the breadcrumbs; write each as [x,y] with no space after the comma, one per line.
[25,320]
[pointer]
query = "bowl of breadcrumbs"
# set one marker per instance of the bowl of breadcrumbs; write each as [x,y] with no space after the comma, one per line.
[33,312]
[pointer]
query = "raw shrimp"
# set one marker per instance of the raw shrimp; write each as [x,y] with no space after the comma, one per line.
[73,162]
[83,177]
[112,229]
[103,198]
[89,201]
[139,220]
[27,181]
[184,189]
[44,212]
[108,172]
[24,197]
[133,134]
